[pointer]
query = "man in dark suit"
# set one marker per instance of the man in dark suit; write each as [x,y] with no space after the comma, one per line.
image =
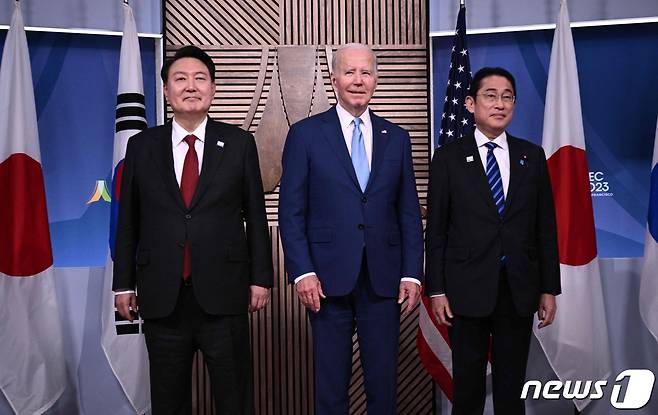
[192,239]
[491,255]
[352,235]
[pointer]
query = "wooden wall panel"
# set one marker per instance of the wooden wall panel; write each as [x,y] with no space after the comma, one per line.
[333,22]
[243,38]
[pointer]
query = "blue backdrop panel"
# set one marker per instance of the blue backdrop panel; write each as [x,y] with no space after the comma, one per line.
[618,73]
[75,82]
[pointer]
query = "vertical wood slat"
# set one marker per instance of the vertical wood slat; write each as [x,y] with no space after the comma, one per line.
[377,22]
[299,22]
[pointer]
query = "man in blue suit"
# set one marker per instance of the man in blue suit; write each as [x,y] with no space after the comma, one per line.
[352,234]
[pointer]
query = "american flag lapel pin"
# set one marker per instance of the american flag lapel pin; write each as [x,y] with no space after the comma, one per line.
[220,144]
[384,132]
[469,159]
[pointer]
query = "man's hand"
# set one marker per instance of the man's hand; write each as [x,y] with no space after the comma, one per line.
[309,292]
[441,310]
[126,305]
[410,290]
[258,297]
[547,310]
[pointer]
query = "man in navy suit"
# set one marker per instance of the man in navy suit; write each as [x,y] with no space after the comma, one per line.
[352,234]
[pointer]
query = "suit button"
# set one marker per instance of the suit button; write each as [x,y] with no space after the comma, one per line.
[364,199]
[188,216]
[361,226]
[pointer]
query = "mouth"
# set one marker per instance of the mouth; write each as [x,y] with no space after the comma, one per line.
[498,116]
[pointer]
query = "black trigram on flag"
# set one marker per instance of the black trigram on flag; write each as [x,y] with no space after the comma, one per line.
[130,112]
[124,326]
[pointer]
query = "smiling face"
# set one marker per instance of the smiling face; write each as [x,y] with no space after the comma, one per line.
[354,79]
[492,118]
[189,88]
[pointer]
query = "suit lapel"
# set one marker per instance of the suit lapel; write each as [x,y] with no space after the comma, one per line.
[517,170]
[474,170]
[379,142]
[164,160]
[334,136]
[213,152]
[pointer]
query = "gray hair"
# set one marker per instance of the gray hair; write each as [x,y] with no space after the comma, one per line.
[347,46]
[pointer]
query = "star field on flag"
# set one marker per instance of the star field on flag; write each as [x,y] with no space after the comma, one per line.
[456,121]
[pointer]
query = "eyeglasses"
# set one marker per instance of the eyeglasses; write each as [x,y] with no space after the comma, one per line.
[491,98]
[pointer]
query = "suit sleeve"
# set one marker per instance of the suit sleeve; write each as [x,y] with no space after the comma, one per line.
[549,262]
[253,202]
[127,237]
[293,196]
[411,227]
[436,231]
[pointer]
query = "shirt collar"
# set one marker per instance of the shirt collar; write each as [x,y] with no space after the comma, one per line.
[346,118]
[481,139]
[178,133]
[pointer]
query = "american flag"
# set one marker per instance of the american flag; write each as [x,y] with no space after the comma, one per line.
[456,121]
[432,339]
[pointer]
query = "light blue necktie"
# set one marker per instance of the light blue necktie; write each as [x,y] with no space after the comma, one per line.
[359,157]
[493,176]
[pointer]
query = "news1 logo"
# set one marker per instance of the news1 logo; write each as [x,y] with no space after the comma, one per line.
[637,385]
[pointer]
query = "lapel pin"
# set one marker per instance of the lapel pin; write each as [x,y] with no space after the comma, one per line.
[523,160]
[384,131]
[220,144]
[469,159]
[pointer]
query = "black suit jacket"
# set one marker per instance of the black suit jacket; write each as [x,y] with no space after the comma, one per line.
[466,237]
[225,223]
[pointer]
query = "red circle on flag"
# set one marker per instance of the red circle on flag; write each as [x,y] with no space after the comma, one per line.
[24,234]
[569,174]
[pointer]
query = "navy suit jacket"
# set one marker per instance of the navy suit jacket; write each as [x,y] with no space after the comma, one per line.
[325,219]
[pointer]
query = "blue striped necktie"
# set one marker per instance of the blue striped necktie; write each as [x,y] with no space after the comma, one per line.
[359,157]
[494,178]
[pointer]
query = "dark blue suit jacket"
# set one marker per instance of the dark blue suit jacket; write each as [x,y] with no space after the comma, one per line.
[326,220]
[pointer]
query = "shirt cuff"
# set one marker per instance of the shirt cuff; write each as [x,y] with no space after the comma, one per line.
[411,279]
[124,292]
[301,277]
[438,295]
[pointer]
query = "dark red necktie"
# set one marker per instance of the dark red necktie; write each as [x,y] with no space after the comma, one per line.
[188,182]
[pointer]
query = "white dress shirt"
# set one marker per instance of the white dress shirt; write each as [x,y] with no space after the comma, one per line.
[179,146]
[347,126]
[501,153]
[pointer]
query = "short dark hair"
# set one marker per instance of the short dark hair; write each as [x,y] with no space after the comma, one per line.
[486,72]
[188,52]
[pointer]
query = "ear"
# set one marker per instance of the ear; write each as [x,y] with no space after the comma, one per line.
[165,90]
[470,104]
